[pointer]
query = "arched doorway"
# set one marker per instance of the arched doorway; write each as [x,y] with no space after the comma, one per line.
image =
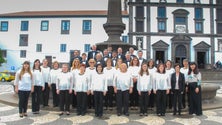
[180,54]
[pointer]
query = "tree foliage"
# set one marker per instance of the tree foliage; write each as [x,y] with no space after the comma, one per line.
[2,59]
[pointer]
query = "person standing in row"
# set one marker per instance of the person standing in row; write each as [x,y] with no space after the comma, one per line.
[123,86]
[144,87]
[194,85]
[152,70]
[177,88]
[23,86]
[52,81]
[185,70]
[99,89]
[45,71]
[38,86]
[161,87]
[91,70]
[64,85]
[109,72]
[81,89]
[169,70]
[134,71]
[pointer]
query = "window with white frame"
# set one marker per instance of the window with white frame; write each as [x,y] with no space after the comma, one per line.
[24,25]
[65,26]
[22,53]
[62,47]
[23,40]
[86,47]
[86,27]
[4,26]
[125,39]
[44,25]
[38,47]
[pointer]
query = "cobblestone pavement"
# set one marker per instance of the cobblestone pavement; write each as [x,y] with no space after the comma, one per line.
[9,116]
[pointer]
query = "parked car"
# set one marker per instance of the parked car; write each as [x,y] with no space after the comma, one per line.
[6,77]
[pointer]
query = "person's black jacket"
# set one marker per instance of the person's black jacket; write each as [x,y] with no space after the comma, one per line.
[181,82]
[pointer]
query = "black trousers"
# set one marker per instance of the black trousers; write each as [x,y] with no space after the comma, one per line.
[64,98]
[109,97]
[151,99]
[55,96]
[74,100]
[36,96]
[195,101]
[170,100]
[91,103]
[134,97]
[98,99]
[45,95]
[23,100]
[161,101]
[81,102]
[122,101]
[177,98]
[143,100]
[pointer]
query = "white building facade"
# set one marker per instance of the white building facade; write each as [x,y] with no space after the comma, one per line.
[177,29]
[53,35]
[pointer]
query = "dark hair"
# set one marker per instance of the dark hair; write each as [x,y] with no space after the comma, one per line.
[84,65]
[109,59]
[158,66]
[98,66]
[176,64]
[37,60]
[149,63]
[195,71]
[170,62]
[141,69]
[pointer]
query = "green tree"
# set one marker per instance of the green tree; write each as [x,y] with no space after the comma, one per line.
[2,59]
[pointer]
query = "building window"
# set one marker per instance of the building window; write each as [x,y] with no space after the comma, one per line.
[62,47]
[23,40]
[38,47]
[86,47]
[180,21]
[139,19]
[196,1]
[180,1]
[22,53]
[220,45]
[198,20]
[4,26]
[4,53]
[86,27]
[24,25]
[161,19]
[45,25]
[125,39]
[219,17]
[65,27]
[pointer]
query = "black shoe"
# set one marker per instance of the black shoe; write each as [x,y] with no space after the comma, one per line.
[67,113]
[25,114]
[118,114]
[21,115]
[163,114]
[126,114]
[174,113]
[141,114]
[145,114]
[179,113]
[83,114]
[61,113]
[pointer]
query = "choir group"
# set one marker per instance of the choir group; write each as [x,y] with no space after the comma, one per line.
[102,80]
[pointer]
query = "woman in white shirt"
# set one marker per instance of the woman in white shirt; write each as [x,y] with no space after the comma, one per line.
[23,86]
[64,85]
[134,71]
[38,86]
[144,87]
[99,89]
[194,85]
[52,81]
[109,72]
[75,70]
[123,86]
[91,70]
[152,70]
[81,89]
[45,71]
[161,87]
